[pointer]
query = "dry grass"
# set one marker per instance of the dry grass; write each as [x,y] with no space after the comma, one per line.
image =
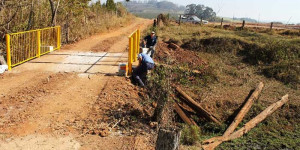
[225,87]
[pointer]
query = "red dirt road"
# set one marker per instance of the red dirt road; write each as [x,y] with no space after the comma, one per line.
[64,100]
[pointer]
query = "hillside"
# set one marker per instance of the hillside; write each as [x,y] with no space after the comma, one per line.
[219,68]
[150,9]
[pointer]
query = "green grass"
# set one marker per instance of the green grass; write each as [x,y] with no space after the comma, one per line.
[276,132]
[190,135]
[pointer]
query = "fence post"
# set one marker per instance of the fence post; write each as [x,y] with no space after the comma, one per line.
[130,56]
[38,43]
[58,37]
[179,19]
[271,27]
[243,25]
[8,56]
[222,23]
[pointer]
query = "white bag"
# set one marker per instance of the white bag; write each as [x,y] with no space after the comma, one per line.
[3,68]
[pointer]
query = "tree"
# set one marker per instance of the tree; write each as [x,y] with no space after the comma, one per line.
[54,11]
[110,5]
[200,11]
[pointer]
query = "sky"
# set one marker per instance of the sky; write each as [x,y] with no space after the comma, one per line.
[286,11]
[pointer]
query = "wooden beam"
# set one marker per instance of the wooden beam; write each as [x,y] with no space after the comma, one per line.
[239,116]
[248,126]
[244,110]
[183,116]
[195,106]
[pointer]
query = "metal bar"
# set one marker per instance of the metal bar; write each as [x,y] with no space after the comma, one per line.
[23,61]
[8,51]
[139,40]
[132,33]
[38,43]
[33,30]
[130,56]
[134,48]
[58,37]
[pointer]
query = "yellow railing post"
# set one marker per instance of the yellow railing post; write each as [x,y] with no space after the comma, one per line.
[8,56]
[130,56]
[38,43]
[138,40]
[58,37]
[134,47]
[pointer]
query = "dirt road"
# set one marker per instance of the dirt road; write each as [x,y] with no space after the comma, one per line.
[66,99]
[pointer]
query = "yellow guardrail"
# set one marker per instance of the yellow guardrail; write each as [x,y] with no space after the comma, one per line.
[134,48]
[24,46]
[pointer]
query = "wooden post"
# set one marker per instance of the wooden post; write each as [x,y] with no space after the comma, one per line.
[244,110]
[183,116]
[271,27]
[168,139]
[247,127]
[201,22]
[243,25]
[222,23]
[179,19]
[195,106]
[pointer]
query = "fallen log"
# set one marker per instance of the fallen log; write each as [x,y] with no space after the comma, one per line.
[244,110]
[248,126]
[186,108]
[195,106]
[240,115]
[183,116]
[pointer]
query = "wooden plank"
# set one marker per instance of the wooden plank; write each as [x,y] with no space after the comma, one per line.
[239,116]
[248,126]
[195,106]
[183,116]
[244,110]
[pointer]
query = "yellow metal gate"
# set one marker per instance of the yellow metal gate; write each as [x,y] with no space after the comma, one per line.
[24,46]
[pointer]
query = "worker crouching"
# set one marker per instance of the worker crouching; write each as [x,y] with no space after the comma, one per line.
[139,74]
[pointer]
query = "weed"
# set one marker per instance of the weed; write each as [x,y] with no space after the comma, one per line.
[190,135]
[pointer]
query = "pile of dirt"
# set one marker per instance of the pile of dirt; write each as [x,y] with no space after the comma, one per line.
[176,55]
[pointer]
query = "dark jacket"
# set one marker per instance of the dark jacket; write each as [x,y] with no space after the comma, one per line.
[150,41]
